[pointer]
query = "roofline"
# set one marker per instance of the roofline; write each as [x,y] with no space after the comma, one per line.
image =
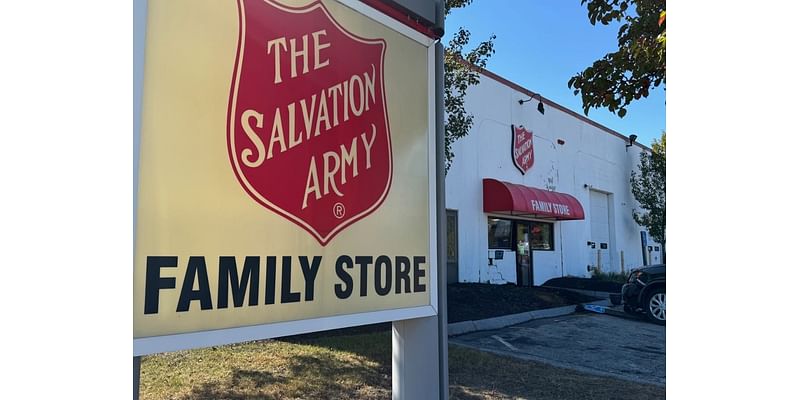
[551,103]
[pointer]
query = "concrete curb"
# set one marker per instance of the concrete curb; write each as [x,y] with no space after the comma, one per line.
[593,293]
[460,328]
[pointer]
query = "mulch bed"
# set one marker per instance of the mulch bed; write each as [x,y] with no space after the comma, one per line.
[572,282]
[474,301]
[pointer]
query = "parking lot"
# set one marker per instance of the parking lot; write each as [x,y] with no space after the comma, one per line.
[599,344]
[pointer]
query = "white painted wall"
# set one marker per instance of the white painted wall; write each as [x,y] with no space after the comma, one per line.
[591,158]
[500,272]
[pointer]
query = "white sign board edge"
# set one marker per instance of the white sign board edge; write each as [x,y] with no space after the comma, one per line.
[200,339]
[193,340]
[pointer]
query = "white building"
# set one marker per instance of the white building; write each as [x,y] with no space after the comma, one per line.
[570,212]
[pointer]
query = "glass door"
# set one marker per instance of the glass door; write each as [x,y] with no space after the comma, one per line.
[524,257]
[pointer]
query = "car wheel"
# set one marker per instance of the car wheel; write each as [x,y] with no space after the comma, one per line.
[656,306]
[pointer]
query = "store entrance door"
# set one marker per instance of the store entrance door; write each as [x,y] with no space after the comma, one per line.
[524,257]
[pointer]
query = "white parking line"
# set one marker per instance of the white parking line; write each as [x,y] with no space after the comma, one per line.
[509,345]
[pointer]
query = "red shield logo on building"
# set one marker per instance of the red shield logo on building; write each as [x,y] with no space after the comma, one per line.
[522,148]
[308,132]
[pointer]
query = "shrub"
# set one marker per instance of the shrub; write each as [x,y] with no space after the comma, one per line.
[609,276]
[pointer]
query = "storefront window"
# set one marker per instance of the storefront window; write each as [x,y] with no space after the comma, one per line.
[499,233]
[541,237]
[530,235]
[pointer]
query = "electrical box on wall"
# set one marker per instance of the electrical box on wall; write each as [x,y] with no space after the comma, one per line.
[495,255]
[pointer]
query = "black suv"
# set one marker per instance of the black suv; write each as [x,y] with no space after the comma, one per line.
[646,291]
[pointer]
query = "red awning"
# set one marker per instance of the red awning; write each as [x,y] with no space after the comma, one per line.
[508,198]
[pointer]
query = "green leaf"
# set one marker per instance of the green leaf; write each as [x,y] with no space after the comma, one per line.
[641,54]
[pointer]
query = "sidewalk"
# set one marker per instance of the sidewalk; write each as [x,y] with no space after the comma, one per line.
[460,328]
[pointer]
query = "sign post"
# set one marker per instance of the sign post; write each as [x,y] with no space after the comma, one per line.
[413,376]
[139,28]
[288,176]
[137,368]
[444,385]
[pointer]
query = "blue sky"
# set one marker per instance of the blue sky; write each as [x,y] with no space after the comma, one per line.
[541,43]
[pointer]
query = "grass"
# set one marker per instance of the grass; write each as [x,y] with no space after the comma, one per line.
[358,367]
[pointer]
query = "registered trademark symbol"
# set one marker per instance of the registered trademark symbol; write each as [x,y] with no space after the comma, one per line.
[338,210]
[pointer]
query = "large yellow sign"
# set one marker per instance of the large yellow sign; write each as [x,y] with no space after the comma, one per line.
[286,174]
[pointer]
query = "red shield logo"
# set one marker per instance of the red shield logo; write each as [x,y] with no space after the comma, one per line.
[522,148]
[308,132]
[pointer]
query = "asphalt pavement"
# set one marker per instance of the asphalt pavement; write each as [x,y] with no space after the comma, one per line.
[600,344]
